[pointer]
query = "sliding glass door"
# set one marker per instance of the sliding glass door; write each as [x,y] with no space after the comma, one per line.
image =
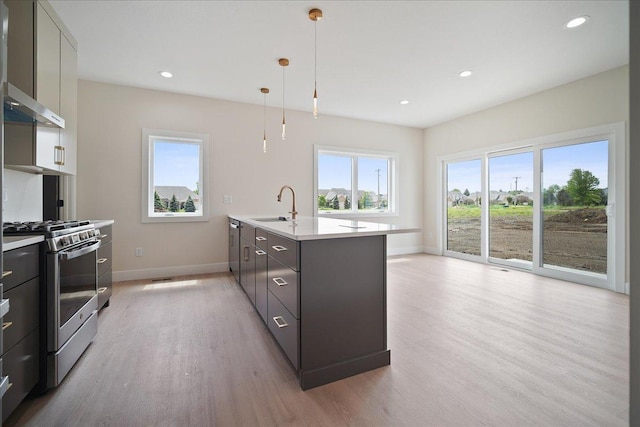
[511,209]
[574,211]
[555,207]
[463,207]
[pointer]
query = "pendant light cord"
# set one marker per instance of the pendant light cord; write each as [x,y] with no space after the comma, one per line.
[315,50]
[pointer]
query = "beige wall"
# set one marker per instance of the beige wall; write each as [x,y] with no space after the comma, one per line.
[111,118]
[593,101]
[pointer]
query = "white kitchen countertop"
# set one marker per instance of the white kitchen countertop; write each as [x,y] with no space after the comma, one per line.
[314,228]
[15,242]
[101,222]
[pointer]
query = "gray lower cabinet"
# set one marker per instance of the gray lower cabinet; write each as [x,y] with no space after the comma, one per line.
[324,301]
[105,266]
[20,327]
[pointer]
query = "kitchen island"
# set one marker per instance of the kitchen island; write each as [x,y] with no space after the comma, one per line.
[320,286]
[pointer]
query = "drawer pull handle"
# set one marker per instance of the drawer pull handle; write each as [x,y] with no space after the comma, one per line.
[103,236]
[6,273]
[280,281]
[260,252]
[261,238]
[102,290]
[279,319]
[102,260]
[5,325]
[279,248]
[9,386]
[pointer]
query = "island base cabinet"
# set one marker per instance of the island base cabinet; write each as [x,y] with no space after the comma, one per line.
[343,309]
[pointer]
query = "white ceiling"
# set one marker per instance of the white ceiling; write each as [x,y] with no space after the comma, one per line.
[371,54]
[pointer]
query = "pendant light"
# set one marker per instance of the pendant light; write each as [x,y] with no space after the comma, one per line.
[315,15]
[265,91]
[283,63]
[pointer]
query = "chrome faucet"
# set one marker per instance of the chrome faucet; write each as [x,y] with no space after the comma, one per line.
[293,207]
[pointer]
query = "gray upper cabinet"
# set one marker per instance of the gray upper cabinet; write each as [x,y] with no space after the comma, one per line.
[40,45]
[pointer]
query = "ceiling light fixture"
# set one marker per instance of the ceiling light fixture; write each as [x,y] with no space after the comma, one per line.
[404,102]
[576,22]
[466,73]
[283,63]
[166,74]
[265,91]
[315,15]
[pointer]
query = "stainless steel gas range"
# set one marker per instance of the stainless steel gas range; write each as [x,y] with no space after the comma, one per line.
[70,296]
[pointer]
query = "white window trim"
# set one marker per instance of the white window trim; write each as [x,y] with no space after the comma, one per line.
[351,152]
[618,147]
[148,135]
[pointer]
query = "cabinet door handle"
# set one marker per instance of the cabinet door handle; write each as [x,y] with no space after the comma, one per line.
[279,319]
[261,238]
[280,281]
[57,155]
[260,252]
[232,225]
[6,273]
[102,260]
[246,253]
[102,290]
[279,248]
[64,156]
[5,325]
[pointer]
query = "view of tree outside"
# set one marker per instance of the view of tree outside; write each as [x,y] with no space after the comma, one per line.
[335,176]
[575,195]
[176,174]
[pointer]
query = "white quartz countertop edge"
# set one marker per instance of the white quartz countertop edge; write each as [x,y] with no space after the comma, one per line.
[15,242]
[314,228]
[101,222]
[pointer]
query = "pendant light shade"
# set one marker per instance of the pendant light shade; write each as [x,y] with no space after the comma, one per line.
[315,15]
[283,63]
[265,91]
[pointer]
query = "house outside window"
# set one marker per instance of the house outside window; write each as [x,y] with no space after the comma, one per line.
[354,182]
[174,176]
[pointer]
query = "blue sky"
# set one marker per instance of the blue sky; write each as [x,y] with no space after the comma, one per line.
[176,164]
[557,164]
[335,172]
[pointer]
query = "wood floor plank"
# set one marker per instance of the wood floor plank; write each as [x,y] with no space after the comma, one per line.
[470,344]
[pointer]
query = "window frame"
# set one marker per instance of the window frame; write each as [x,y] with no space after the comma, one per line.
[354,154]
[149,136]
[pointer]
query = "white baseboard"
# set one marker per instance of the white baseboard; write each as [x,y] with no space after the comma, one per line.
[182,270]
[432,251]
[405,251]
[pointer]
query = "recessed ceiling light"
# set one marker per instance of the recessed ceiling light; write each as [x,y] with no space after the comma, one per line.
[576,22]
[404,102]
[166,74]
[466,73]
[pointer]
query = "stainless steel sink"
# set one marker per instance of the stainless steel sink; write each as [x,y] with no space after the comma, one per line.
[271,219]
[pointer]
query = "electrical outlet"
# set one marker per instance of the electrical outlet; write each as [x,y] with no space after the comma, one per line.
[138,251]
[226,199]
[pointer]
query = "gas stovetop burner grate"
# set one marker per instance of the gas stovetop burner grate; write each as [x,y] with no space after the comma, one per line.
[40,226]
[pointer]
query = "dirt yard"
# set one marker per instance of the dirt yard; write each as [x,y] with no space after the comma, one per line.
[574,238]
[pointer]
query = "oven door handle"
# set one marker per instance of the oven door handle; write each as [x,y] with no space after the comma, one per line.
[79,252]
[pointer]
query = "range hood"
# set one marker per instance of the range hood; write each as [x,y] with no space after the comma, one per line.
[21,108]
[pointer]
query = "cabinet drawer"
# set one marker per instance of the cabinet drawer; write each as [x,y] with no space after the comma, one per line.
[284,250]
[24,263]
[104,258]
[105,287]
[261,239]
[23,316]
[284,328]
[283,282]
[247,232]
[21,365]
[106,234]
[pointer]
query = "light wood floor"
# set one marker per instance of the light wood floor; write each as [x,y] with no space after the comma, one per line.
[470,345]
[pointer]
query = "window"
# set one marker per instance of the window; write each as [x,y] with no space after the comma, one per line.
[349,181]
[174,177]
